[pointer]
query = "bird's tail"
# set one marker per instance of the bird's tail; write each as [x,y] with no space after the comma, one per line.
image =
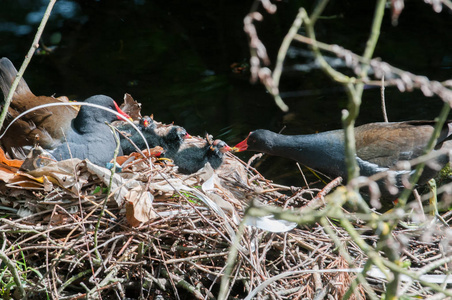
[7,75]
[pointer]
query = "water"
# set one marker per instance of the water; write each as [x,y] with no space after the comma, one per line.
[176,58]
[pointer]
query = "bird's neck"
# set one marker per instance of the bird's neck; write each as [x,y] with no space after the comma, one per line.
[84,123]
[323,151]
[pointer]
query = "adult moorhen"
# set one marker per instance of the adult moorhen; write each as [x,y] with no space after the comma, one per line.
[379,146]
[190,160]
[42,126]
[89,136]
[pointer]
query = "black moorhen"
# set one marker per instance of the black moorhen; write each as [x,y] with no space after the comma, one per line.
[147,126]
[190,160]
[141,124]
[170,140]
[379,146]
[89,137]
[41,126]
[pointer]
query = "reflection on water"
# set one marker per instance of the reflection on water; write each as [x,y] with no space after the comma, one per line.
[180,60]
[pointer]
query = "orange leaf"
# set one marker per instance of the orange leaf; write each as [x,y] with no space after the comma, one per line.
[16,163]
[156,152]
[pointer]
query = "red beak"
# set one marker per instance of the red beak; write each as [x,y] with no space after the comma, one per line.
[242,146]
[121,112]
[226,149]
[187,136]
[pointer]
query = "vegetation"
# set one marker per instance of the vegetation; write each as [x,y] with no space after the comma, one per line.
[74,231]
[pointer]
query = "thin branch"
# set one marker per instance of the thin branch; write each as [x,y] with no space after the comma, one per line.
[282,55]
[230,263]
[383,100]
[405,81]
[27,60]
[431,143]
[12,268]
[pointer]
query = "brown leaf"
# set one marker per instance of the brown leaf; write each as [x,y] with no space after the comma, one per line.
[44,178]
[60,173]
[139,206]
[23,180]
[131,107]
[7,173]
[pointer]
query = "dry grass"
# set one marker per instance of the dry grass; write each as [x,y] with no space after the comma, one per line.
[64,244]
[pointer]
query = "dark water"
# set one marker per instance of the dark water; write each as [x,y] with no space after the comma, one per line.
[175,57]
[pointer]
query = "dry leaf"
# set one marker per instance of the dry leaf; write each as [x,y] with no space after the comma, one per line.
[56,219]
[60,173]
[154,152]
[131,107]
[119,185]
[26,184]
[139,206]
[7,173]
[16,163]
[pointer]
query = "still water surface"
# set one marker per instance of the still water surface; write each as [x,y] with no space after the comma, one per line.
[180,61]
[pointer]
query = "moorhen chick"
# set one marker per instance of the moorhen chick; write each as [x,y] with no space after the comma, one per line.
[190,160]
[147,126]
[141,124]
[169,139]
[41,126]
[89,136]
[172,140]
[379,146]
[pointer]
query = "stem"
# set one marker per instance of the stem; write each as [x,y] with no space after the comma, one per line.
[282,55]
[371,42]
[12,268]
[383,101]
[230,263]
[431,144]
[318,11]
[104,204]
[27,60]
[348,122]
[355,93]
[360,277]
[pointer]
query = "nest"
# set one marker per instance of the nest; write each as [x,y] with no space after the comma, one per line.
[72,230]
